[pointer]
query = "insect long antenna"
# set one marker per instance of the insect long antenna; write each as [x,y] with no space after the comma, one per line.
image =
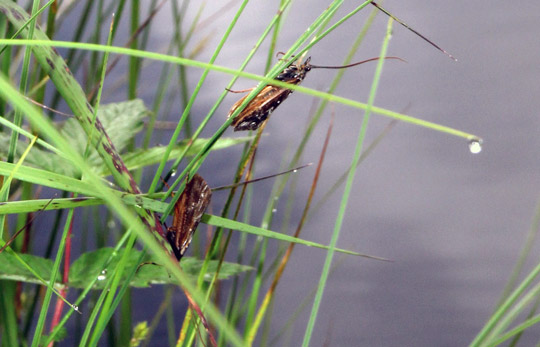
[8,242]
[260,178]
[414,31]
[354,64]
[45,107]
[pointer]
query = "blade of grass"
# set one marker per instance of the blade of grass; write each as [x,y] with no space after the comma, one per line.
[85,292]
[29,135]
[244,227]
[29,22]
[284,261]
[131,241]
[529,242]
[513,313]
[127,217]
[9,315]
[348,187]
[7,182]
[187,108]
[191,167]
[54,275]
[111,301]
[17,119]
[54,65]
[300,89]
[222,96]
[519,329]
[495,318]
[333,86]
[343,177]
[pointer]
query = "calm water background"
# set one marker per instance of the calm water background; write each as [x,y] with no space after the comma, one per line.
[453,222]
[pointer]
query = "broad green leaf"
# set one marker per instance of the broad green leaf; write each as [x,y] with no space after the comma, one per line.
[12,269]
[90,266]
[122,121]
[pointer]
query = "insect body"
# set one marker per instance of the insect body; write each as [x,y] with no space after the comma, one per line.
[260,107]
[188,211]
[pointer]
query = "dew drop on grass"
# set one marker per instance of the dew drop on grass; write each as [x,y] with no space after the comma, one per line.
[274,210]
[102,276]
[475,146]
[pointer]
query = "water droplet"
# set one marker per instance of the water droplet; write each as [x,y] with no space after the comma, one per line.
[294,171]
[173,173]
[475,146]
[102,276]
[75,307]
[274,210]
[111,224]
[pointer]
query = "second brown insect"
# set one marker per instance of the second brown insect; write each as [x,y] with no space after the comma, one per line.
[188,211]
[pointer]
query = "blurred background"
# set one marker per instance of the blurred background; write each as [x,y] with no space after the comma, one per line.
[453,222]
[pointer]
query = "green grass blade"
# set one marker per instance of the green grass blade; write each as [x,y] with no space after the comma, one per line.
[235,225]
[187,108]
[346,193]
[265,80]
[126,216]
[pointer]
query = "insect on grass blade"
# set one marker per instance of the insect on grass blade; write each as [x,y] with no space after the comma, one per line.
[188,211]
[268,99]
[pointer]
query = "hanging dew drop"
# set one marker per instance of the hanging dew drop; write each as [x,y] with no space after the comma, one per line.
[274,210]
[475,146]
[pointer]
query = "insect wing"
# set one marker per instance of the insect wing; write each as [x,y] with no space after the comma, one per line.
[260,107]
[258,110]
[188,211]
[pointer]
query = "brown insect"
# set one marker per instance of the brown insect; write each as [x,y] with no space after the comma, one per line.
[191,206]
[188,211]
[262,105]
